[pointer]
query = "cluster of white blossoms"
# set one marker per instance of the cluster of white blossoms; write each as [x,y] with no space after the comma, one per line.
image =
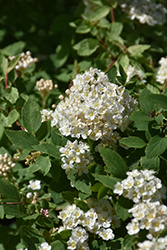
[76,155]
[141,186]
[159,244]
[44,86]
[96,220]
[147,192]
[145,11]
[25,61]
[162,71]
[46,114]
[95,108]
[132,71]
[6,163]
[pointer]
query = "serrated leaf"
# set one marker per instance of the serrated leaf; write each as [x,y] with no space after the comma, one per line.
[140,116]
[156,146]
[133,142]
[137,50]
[86,47]
[42,163]
[106,180]
[57,137]
[102,192]
[12,117]
[116,28]
[12,95]
[22,139]
[112,74]
[12,63]
[152,163]
[82,185]
[44,131]
[158,99]
[58,245]
[114,163]
[68,196]
[81,204]
[145,104]
[13,49]
[31,116]
[9,191]
[29,236]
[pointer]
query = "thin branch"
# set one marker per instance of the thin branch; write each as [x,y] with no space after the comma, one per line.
[112,14]
[6,81]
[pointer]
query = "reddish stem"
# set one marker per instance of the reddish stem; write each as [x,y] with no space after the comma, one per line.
[18,124]
[112,15]
[6,81]
[11,203]
[103,43]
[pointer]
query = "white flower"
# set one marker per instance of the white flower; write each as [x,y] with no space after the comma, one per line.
[79,234]
[133,227]
[35,185]
[29,195]
[106,234]
[44,246]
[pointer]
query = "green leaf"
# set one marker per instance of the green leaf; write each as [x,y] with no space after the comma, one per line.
[1,212]
[57,137]
[81,204]
[102,192]
[156,146]
[9,191]
[49,148]
[153,163]
[106,180]
[145,104]
[68,196]
[22,139]
[116,28]
[12,95]
[58,245]
[122,207]
[114,162]
[123,77]
[82,185]
[112,74]
[86,47]
[44,131]
[133,142]
[29,236]
[163,233]
[3,65]
[12,63]
[83,29]
[137,50]
[159,99]
[12,117]
[97,13]
[13,49]
[140,116]
[42,163]
[31,116]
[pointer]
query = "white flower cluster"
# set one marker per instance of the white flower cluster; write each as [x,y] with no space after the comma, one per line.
[45,246]
[145,11]
[132,71]
[25,61]
[146,191]
[140,186]
[76,156]
[6,163]
[162,71]
[160,244]
[46,114]
[44,86]
[95,108]
[96,220]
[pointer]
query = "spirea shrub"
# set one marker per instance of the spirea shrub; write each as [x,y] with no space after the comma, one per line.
[83,128]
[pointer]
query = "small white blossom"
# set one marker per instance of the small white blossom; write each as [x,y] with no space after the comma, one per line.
[44,246]
[35,185]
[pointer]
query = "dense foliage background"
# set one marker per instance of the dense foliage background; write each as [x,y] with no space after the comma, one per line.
[41,178]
